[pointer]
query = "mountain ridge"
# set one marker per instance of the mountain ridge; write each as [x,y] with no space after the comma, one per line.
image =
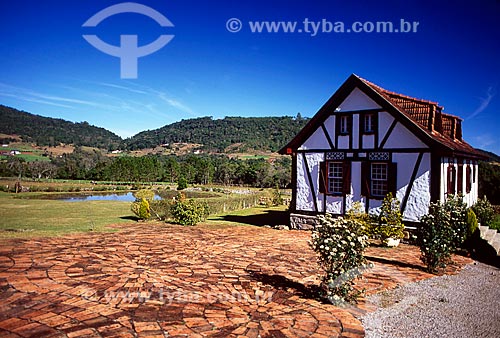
[226,135]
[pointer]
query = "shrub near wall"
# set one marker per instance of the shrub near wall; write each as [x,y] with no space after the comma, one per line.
[441,231]
[339,244]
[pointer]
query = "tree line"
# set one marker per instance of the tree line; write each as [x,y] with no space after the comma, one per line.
[194,169]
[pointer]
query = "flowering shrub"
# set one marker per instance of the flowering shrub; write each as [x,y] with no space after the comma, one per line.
[340,244]
[188,212]
[484,211]
[441,231]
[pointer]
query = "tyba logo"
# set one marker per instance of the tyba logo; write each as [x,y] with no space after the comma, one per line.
[128,51]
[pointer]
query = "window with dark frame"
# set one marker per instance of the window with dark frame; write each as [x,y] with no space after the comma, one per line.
[379,176]
[451,179]
[468,179]
[335,178]
[368,122]
[344,124]
[460,179]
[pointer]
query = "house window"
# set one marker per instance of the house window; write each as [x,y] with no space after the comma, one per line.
[344,124]
[334,178]
[379,176]
[378,179]
[460,180]
[468,179]
[451,179]
[368,123]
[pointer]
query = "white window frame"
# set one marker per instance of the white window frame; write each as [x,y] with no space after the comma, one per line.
[335,177]
[379,180]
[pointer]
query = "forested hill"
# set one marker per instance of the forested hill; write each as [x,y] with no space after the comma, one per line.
[46,131]
[222,135]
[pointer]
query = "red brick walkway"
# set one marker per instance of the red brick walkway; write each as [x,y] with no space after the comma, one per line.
[170,281]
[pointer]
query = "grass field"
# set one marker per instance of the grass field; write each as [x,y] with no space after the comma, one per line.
[28,152]
[33,218]
[23,218]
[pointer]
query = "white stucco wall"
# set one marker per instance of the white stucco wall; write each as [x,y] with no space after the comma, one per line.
[330,126]
[384,123]
[357,100]
[368,141]
[316,141]
[313,160]
[304,200]
[420,195]
[343,142]
[401,137]
[334,204]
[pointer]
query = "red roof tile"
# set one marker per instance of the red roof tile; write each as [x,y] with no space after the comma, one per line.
[444,128]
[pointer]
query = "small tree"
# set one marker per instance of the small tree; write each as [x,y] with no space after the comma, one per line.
[182,184]
[390,220]
[277,197]
[188,212]
[141,209]
[339,244]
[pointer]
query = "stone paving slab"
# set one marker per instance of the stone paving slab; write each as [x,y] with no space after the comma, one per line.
[156,280]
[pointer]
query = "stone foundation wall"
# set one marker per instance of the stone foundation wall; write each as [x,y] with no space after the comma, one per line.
[302,222]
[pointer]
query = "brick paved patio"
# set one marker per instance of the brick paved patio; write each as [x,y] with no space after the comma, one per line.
[169,281]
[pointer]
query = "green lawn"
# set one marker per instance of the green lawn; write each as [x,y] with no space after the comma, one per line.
[22,217]
[33,218]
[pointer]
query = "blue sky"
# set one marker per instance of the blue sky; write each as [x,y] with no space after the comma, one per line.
[47,68]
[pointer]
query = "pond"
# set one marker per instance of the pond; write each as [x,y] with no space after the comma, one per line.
[119,196]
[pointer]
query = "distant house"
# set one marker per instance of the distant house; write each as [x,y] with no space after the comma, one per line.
[366,142]
[15,152]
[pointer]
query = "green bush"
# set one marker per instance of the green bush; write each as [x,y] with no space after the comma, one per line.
[182,184]
[339,244]
[141,209]
[160,209]
[484,211]
[441,231]
[357,212]
[188,212]
[390,220]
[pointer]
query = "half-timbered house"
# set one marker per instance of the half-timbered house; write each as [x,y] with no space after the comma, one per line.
[366,142]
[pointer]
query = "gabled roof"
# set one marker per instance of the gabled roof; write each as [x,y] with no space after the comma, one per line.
[426,119]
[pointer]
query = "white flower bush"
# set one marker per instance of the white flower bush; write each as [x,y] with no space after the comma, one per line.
[340,244]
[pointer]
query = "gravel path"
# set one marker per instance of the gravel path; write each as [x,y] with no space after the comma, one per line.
[462,305]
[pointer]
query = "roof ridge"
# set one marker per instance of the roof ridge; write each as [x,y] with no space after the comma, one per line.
[403,96]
